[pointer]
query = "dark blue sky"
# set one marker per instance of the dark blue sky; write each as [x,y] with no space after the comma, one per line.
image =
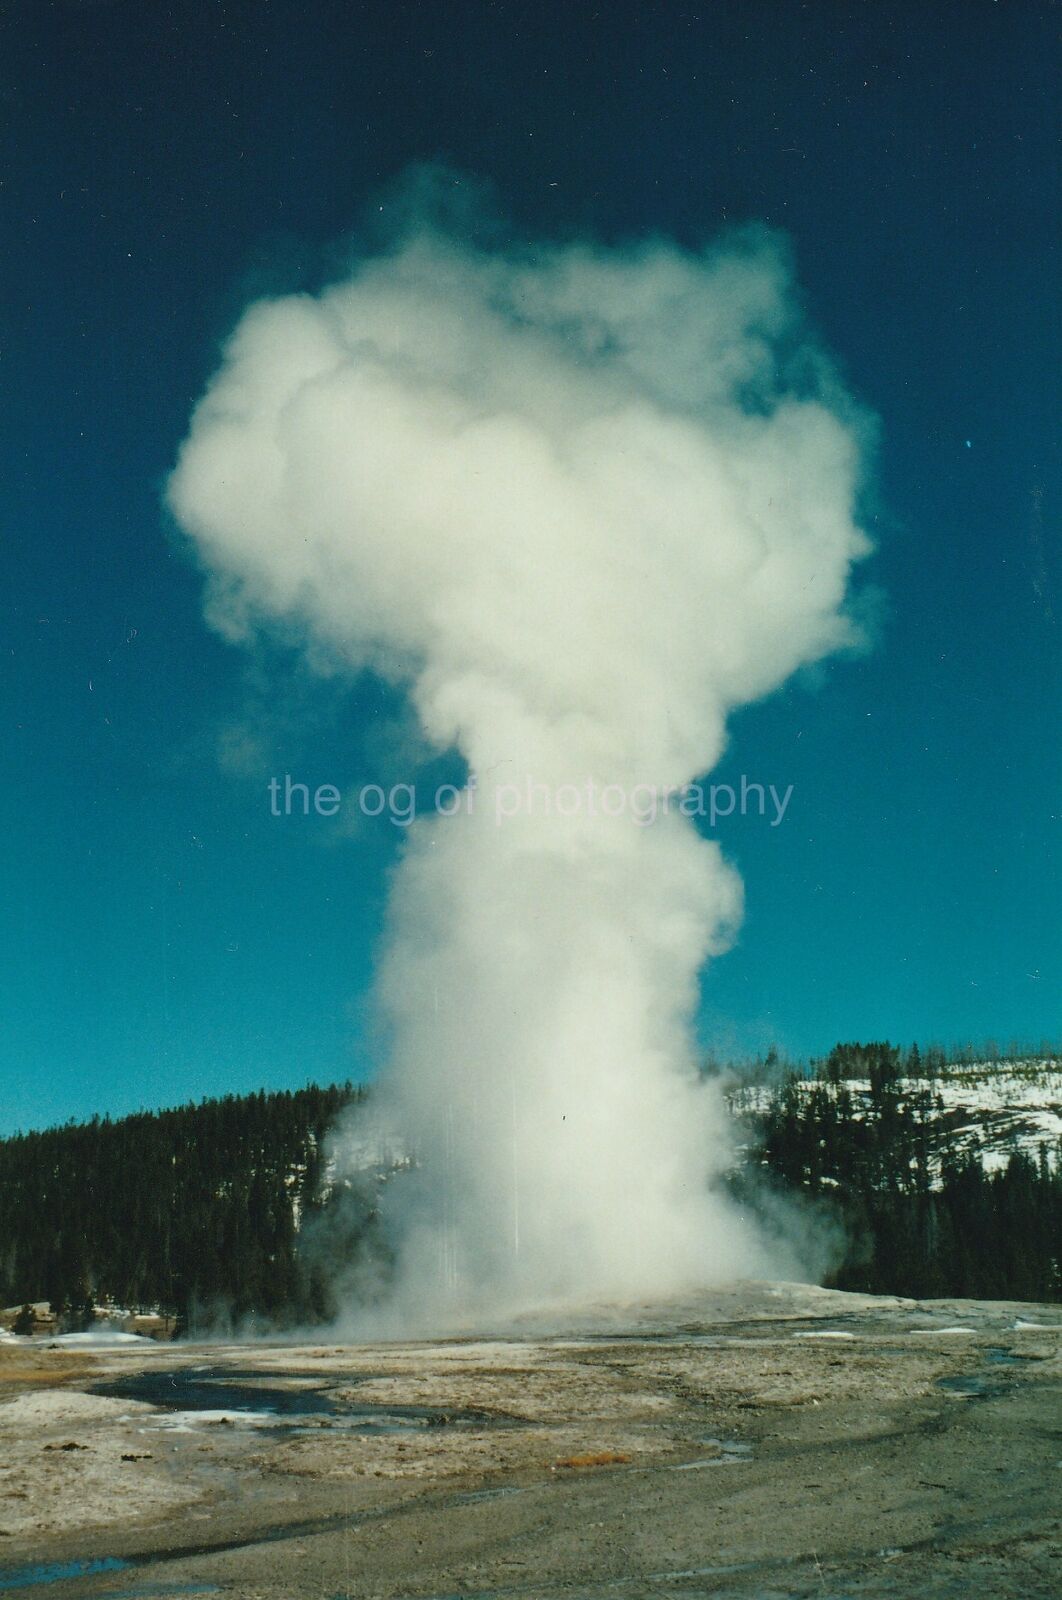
[162,936]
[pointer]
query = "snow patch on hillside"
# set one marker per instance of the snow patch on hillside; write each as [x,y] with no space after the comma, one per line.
[989,1108]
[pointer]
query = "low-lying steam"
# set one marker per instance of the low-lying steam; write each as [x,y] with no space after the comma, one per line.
[582,502]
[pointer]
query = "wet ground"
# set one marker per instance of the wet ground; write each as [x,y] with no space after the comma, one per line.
[239,1395]
[761,1442]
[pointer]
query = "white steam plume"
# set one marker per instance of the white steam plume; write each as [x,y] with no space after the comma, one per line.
[582,502]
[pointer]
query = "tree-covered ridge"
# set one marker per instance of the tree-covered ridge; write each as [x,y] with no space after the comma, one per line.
[225,1211]
[174,1210]
[869,1141]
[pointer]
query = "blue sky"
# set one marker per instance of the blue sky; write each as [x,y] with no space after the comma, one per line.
[162,936]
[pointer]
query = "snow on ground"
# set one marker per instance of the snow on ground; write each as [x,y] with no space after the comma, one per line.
[98,1337]
[993,1108]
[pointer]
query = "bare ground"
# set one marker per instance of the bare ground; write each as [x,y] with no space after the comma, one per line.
[763,1441]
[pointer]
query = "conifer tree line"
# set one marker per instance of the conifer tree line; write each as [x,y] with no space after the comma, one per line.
[191,1212]
[220,1211]
[916,1215]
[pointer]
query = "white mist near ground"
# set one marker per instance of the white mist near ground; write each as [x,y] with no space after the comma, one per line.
[582,502]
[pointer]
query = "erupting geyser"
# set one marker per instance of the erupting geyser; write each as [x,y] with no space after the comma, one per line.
[582,502]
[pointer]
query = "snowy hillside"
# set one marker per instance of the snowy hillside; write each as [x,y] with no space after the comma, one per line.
[993,1108]
[1002,1106]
